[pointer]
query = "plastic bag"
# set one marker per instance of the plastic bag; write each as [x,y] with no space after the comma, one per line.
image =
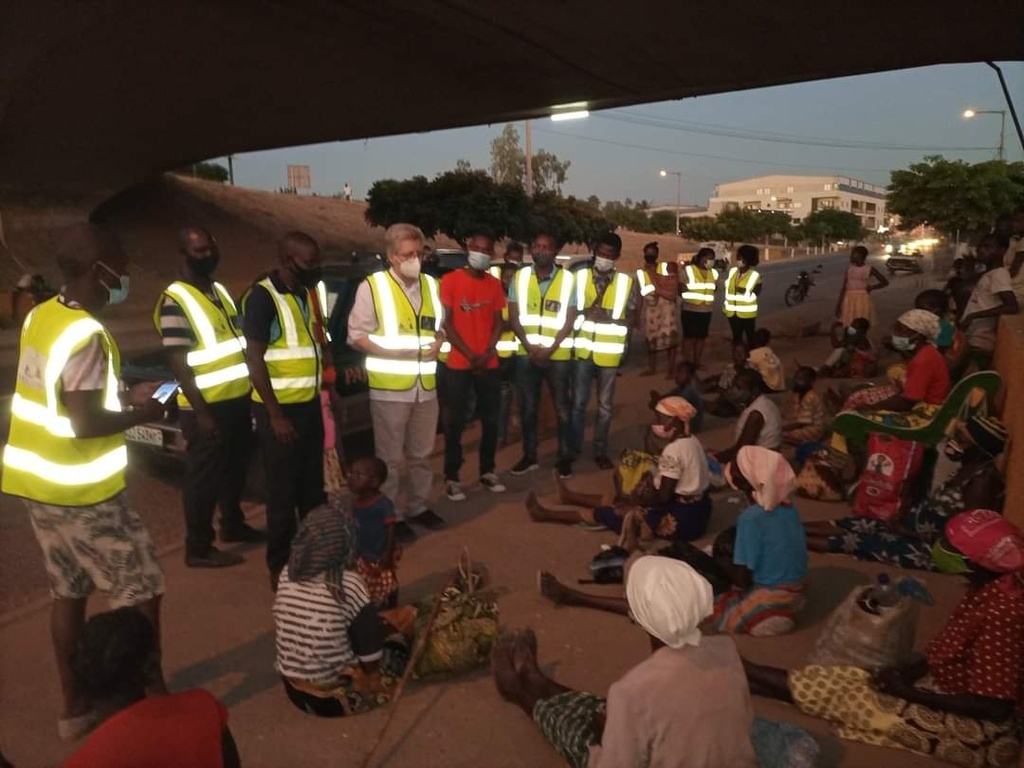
[891,464]
[854,637]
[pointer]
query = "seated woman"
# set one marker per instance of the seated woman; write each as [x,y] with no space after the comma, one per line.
[926,386]
[808,417]
[764,360]
[351,662]
[686,388]
[853,355]
[114,662]
[760,422]
[961,703]
[659,711]
[677,505]
[722,384]
[907,542]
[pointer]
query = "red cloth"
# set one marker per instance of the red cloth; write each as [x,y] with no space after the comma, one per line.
[981,649]
[184,729]
[988,539]
[927,377]
[472,304]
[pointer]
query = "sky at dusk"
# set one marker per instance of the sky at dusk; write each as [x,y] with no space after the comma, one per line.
[617,153]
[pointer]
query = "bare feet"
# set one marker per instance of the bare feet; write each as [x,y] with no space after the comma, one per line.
[552,589]
[533,507]
[524,653]
[503,669]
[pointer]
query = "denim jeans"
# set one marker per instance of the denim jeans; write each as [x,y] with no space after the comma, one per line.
[586,374]
[458,385]
[558,374]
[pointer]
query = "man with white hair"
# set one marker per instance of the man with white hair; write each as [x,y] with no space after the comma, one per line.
[396,320]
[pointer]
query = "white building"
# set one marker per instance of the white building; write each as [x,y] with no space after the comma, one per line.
[800,196]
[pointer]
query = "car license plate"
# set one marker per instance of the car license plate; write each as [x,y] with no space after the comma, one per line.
[145,436]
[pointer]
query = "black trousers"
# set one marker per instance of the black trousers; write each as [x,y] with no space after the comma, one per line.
[215,472]
[743,327]
[487,387]
[294,475]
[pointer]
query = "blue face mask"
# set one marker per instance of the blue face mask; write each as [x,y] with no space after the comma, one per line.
[902,344]
[479,260]
[119,293]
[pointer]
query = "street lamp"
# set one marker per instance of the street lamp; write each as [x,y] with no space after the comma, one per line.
[679,193]
[575,111]
[970,113]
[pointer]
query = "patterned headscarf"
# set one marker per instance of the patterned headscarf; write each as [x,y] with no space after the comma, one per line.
[988,539]
[768,473]
[669,599]
[676,406]
[921,320]
[324,544]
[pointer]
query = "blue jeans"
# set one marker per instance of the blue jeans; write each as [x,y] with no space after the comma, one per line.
[586,374]
[558,374]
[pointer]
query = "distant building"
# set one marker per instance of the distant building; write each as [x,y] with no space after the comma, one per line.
[685,211]
[800,196]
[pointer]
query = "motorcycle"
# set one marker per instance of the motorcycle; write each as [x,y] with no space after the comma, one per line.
[797,292]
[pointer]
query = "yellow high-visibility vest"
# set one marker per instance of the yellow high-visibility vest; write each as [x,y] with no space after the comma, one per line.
[603,340]
[508,344]
[740,299]
[293,359]
[218,359]
[400,327]
[44,461]
[643,280]
[542,316]
[700,287]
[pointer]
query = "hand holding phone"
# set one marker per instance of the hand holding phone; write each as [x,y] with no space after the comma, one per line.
[166,392]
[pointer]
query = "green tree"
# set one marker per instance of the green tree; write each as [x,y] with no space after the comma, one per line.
[627,214]
[549,173]
[594,201]
[508,163]
[569,219]
[701,228]
[952,195]
[828,225]
[740,226]
[463,165]
[662,222]
[209,171]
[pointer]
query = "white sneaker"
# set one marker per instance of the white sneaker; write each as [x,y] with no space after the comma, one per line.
[492,482]
[454,491]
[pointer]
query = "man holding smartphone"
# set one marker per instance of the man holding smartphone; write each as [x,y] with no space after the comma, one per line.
[202,336]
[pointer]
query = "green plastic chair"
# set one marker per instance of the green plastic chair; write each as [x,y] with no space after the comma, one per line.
[856,428]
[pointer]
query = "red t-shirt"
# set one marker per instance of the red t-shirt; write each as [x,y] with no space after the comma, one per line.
[472,303]
[184,729]
[927,377]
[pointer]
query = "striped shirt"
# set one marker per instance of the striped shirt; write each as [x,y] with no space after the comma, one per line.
[175,328]
[314,632]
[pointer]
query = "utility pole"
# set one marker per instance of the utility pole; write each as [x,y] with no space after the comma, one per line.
[529,160]
[231,170]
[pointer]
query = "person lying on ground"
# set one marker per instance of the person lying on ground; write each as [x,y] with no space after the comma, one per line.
[377,551]
[659,714]
[764,360]
[760,422]
[686,388]
[676,505]
[807,416]
[353,660]
[977,483]
[116,659]
[853,355]
[961,703]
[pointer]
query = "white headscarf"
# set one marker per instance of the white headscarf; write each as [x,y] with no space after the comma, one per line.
[922,321]
[669,599]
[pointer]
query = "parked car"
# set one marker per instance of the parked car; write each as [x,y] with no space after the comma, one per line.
[903,262]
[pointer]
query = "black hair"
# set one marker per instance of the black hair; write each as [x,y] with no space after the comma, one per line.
[750,378]
[861,324]
[609,238]
[724,545]
[932,298]
[749,255]
[115,654]
[295,237]
[704,252]
[554,238]
[762,337]
[380,466]
[479,231]
[515,247]
[861,250]
[650,245]
[809,373]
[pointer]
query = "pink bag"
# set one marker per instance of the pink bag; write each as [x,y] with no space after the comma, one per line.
[892,462]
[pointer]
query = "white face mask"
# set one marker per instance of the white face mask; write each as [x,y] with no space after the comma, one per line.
[479,260]
[602,264]
[409,268]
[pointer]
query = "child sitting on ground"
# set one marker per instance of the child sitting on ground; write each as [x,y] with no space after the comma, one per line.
[374,515]
[722,384]
[808,417]
[853,355]
[686,377]
[766,362]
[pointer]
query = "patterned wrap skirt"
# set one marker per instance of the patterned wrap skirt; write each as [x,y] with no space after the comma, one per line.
[760,611]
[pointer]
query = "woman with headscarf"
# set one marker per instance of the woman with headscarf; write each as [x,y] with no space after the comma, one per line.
[977,483]
[962,702]
[659,714]
[336,654]
[676,503]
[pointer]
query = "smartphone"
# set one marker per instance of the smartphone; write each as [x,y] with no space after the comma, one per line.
[166,391]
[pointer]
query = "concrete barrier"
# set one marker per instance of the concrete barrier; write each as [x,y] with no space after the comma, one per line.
[1009,361]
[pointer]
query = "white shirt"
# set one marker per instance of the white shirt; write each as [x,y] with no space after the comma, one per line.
[771,432]
[684,461]
[981,333]
[1016,246]
[362,321]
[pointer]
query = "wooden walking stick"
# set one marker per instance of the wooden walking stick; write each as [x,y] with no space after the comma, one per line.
[417,651]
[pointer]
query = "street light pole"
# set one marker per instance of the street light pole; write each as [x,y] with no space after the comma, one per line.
[970,113]
[529,160]
[679,194]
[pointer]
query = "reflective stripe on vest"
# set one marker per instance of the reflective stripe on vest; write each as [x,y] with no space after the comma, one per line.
[604,340]
[700,286]
[400,327]
[321,295]
[740,299]
[218,360]
[43,460]
[508,344]
[293,359]
[542,317]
